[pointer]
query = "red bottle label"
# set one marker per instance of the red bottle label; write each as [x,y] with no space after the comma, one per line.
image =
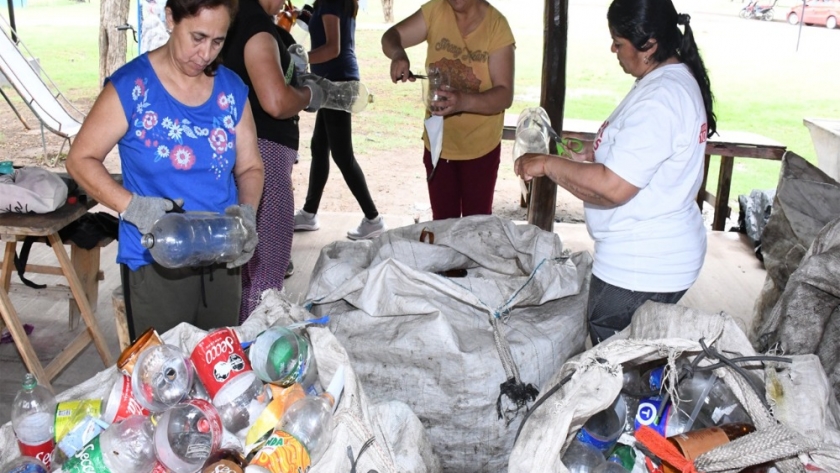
[41,452]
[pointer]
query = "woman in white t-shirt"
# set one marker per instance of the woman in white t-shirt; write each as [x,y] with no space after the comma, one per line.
[640,177]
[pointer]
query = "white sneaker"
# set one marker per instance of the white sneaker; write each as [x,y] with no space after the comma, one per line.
[306,221]
[368,229]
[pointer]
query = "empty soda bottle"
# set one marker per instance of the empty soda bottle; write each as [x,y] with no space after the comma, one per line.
[603,429]
[162,377]
[187,435]
[124,447]
[350,96]
[191,239]
[240,407]
[303,434]
[24,465]
[283,357]
[610,467]
[532,133]
[581,457]
[33,420]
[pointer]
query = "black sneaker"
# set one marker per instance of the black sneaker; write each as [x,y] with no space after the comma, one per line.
[290,270]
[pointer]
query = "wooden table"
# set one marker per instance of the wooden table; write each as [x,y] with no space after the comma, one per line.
[82,272]
[726,144]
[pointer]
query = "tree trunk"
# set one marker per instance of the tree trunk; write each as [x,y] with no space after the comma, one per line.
[112,42]
[544,190]
[388,10]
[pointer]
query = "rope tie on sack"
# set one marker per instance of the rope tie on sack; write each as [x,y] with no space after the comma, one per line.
[519,393]
[664,450]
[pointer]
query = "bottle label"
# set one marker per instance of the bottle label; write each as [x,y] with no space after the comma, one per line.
[218,358]
[87,460]
[222,466]
[695,443]
[647,415]
[69,414]
[282,453]
[282,398]
[127,406]
[42,451]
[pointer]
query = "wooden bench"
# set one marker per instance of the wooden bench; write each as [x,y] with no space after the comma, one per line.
[726,144]
[82,274]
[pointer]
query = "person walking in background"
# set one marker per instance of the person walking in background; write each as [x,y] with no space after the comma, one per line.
[640,177]
[256,52]
[332,29]
[471,43]
[185,130]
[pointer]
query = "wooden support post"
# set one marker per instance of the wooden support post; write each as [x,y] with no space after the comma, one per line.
[86,264]
[722,201]
[555,37]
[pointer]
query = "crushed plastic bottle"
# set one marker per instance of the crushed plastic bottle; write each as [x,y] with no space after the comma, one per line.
[33,420]
[303,434]
[124,447]
[24,465]
[193,239]
[581,457]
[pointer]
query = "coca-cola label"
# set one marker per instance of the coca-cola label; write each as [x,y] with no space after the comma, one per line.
[222,466]
[218,358]
[42,451]
[159,468]
[128,405]
[87,460]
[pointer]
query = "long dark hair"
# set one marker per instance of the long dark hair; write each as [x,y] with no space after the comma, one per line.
[639,21]
[351,7]
[189,8]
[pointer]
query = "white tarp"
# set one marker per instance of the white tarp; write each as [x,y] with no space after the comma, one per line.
[445,345]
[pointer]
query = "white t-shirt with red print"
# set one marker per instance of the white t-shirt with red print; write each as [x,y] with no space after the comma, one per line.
[655,140]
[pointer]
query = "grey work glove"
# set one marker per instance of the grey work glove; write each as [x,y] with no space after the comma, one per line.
[317,93]
[248,216]
[300,57]
[143,212]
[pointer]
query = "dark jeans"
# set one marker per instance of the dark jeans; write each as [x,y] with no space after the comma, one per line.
[162,298]
[610,308]
[333,134]
[463,188]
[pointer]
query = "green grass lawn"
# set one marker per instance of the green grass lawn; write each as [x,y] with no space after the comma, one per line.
[760,83]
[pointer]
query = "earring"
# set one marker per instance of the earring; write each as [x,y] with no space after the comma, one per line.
[647,59]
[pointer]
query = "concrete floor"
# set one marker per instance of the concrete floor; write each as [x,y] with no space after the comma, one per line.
[730,281]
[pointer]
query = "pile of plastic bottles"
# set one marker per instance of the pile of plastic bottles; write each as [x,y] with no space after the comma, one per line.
[254,406]
[703,407]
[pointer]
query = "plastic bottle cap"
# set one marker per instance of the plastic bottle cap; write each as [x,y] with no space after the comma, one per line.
[148,240]
[29,382]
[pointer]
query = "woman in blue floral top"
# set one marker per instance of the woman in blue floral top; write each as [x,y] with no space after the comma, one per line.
[185,131]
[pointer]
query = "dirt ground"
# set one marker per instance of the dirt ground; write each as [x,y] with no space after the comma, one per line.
[395,178]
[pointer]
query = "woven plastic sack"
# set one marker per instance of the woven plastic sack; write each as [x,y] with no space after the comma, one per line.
[806,200]
[467,354]
[799,429]
[400,443]
[805,319]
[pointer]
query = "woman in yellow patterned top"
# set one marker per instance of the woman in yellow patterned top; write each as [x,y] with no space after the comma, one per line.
[471,43]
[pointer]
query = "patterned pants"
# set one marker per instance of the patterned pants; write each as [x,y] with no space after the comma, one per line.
[275,227]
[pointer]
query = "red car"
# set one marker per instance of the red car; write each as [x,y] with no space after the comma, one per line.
[817,12]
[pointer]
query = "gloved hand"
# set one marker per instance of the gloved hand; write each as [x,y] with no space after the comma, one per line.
[248,216]
[143,212]
[317,94]
[300,57]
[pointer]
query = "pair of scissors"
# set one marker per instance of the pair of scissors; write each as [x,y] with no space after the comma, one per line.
[416,76]
[567,146]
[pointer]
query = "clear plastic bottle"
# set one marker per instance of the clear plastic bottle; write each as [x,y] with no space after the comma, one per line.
[531,133]
[33,420]
[187,435]
[603,429]
[24,465]
[124,447]
[191,239]
[349,96]
[162,377]
[610,467]
[581,457]
[240,408]
[303,434]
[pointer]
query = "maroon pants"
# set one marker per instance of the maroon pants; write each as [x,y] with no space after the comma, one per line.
[463,188]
